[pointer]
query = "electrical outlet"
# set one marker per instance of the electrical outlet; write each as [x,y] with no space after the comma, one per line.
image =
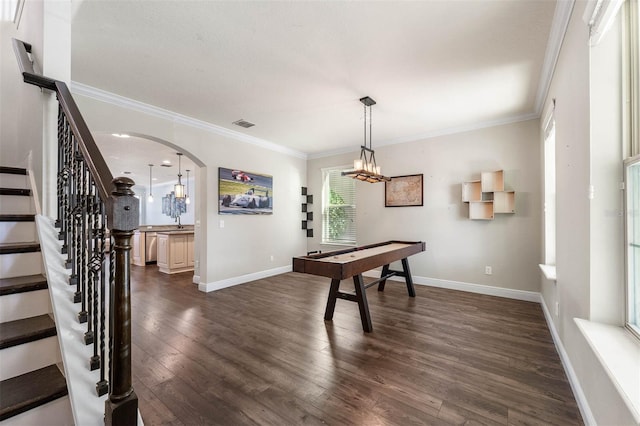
[272,258]
[488,270]
[557,308]
[222,224]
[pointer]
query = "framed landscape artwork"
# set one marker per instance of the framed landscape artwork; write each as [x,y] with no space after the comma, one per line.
[244,193]
[403,191]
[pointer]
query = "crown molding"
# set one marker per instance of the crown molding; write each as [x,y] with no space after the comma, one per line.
[434,134]
[131,104]
[561,18]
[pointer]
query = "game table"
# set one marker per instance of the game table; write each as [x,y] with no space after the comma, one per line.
[351,263]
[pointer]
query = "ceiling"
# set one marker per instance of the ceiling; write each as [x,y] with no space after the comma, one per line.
[298,68]
[131,156]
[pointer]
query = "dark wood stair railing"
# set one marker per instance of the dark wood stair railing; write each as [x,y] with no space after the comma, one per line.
[97,215]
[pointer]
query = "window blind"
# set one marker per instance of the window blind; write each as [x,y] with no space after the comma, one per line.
[338,207]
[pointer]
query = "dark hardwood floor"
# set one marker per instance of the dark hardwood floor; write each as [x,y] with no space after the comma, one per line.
[261,353]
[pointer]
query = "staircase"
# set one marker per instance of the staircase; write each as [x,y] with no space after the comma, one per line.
[33,390]
[86,254]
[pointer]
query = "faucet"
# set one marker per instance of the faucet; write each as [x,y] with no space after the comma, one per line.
[179,224]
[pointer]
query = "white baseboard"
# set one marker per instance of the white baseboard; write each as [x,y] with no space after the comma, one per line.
[229,282]
[581,399]
[528,296]
[196,279]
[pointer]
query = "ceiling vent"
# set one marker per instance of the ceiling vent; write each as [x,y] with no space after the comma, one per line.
[165,165]
[243,123]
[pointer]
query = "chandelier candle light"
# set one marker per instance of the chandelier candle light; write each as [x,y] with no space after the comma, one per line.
[178,188]
[365,168]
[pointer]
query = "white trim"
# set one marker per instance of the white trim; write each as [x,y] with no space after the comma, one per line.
[581,399]
[230,282]
[462,129]
[88,409]
[528,296]
[599,16]
[434,134]
[559,26]
[549,271]
[618,352]
[196,279]
[131,104]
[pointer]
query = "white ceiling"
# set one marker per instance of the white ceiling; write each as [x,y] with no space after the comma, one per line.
[297,68]
[131,157]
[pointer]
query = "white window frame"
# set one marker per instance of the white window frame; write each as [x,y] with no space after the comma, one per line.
[550,191]
[347,238]
[632,149]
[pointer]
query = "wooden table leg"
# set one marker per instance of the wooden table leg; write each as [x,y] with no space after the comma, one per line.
[385,271]
[331,301]
[407,277]
[361,298]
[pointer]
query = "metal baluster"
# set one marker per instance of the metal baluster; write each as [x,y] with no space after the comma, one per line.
[59,219]
[77,243]
[82,237]
[97,258]
[102,387]
[89,244]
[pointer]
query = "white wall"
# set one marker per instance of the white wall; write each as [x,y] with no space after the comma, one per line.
[458,249]
[21,104]
[151,213]
[28,116]
[245,245]
[588,231]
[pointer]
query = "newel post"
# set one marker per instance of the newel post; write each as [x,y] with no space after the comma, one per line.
[121,408]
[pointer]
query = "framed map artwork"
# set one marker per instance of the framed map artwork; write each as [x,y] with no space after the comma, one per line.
[403,191]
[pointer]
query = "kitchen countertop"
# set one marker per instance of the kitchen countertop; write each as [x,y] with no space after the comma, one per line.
[163,228]
[176,231]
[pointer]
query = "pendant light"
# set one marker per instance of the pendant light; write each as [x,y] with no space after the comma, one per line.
[150,198]
[178,188]
[187,198]
[365,168]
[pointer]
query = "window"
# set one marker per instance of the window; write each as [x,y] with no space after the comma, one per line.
[338,208]
[632,175]
[632,241]
[550,192]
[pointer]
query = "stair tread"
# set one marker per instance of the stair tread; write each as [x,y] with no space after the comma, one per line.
[18,332]
[15,191]
[22,284]
[9,248]
[9,217]
[22,393]
[13,170]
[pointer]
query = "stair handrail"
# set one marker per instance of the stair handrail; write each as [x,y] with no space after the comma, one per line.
[120,214]
[99,169]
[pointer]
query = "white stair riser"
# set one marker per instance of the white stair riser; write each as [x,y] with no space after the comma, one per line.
[16,204]
[14,181]
[54,413]
[24,305]
[17,232]
[20,264]
[27,357]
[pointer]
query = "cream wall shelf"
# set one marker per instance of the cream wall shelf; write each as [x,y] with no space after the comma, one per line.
[486,197]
